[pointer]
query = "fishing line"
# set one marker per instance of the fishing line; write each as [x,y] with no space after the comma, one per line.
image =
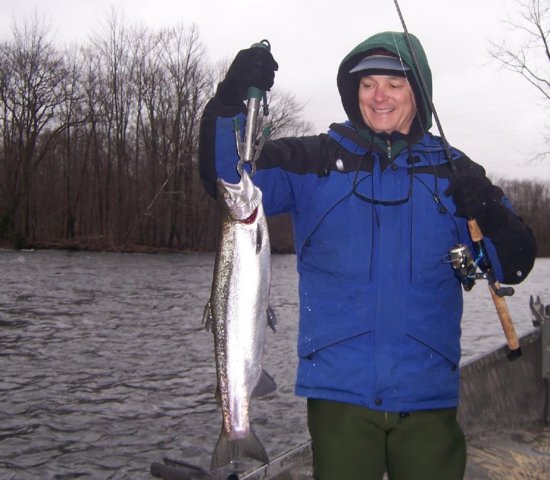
[423,87]
[425,95]
[476,235]
[435,194]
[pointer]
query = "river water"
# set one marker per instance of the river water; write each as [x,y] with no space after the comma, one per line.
[106,367]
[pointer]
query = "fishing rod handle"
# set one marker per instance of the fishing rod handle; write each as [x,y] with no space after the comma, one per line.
[500,303]
[506,321]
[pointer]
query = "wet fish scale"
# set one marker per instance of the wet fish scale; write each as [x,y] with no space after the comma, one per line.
[238,313]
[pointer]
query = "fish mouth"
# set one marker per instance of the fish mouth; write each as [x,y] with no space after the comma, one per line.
[241,199]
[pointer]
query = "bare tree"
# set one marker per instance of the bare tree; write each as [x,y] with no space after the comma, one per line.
[285,116]
[32,90]
[531,200]
[527,51]
[99,145]
[116,52]
[171,93]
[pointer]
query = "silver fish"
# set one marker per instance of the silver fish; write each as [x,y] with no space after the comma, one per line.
[238,313]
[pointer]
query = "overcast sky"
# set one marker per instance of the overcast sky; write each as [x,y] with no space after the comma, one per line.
[493,115]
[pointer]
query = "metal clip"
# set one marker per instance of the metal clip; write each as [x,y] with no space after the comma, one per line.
[250,147]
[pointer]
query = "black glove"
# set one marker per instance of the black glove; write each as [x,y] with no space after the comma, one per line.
[253,67]
[476,197]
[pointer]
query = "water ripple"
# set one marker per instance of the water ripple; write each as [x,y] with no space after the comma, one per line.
[106,366]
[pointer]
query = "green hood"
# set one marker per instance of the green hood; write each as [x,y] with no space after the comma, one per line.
[396,43]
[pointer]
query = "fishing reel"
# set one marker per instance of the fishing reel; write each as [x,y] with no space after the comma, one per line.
[465,267]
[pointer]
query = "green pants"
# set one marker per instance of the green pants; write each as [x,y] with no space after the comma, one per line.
[351,442]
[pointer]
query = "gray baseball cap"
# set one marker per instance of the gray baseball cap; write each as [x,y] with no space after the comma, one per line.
[380,62]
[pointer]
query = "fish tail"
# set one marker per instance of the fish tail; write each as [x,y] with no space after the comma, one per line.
[228,450]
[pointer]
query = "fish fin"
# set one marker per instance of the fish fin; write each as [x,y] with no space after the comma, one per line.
[207,317]
[265,385]
[259,239]
[271,319]
[227,450]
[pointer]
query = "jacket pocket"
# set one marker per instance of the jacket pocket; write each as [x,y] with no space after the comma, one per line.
[444,342]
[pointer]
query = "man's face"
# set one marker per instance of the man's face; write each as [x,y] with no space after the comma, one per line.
[387,103]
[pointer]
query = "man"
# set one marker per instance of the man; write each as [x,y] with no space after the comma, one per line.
[380,307]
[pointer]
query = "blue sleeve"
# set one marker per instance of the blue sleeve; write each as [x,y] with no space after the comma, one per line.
[217,147]
[218,158]
[282,167]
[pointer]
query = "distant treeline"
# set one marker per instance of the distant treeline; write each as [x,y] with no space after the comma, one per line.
[531,201]
[99,143]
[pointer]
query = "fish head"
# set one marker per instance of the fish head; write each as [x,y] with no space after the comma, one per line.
[239,200]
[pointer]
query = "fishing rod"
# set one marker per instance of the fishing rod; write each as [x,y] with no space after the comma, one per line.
[462,261]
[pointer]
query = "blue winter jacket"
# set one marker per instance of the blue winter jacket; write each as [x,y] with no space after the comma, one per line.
[380,305]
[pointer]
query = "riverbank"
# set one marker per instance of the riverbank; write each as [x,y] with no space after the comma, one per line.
[90,244]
